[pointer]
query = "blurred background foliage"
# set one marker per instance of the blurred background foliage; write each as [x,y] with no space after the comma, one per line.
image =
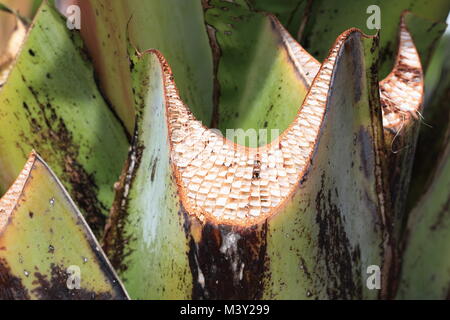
[315,23]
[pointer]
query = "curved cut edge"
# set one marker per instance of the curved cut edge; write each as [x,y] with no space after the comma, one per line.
[401,92]
[225,183]
[306,64]
[9,201]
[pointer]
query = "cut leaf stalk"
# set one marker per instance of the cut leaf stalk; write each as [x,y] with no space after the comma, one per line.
[231,236]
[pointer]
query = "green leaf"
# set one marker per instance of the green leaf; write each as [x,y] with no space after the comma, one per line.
[426,263]
[175,27]
[35,5]
[434,134]
[291,13]
[257,83]
[221,60]
[143,237]
[401,111]
[326,19]
[47,251]
[321,244]
[401,142]
[51,103]
[426,34]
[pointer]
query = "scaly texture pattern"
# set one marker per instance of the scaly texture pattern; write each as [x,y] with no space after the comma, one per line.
[163,251]
[401,92]
[229,183]
[236,185]
[305,63]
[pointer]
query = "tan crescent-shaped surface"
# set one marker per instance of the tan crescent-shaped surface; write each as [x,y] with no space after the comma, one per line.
[227,183]
[231,184]
[401,92]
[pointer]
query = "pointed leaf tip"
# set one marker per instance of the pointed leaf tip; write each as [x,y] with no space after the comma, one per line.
[47,251]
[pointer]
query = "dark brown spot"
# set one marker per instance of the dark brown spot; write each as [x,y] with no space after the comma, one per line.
[342,263]
[56,287]
[228,262]
[11,287]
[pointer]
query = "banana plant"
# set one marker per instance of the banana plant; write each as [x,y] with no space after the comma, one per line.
[270,157]
[248,227]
